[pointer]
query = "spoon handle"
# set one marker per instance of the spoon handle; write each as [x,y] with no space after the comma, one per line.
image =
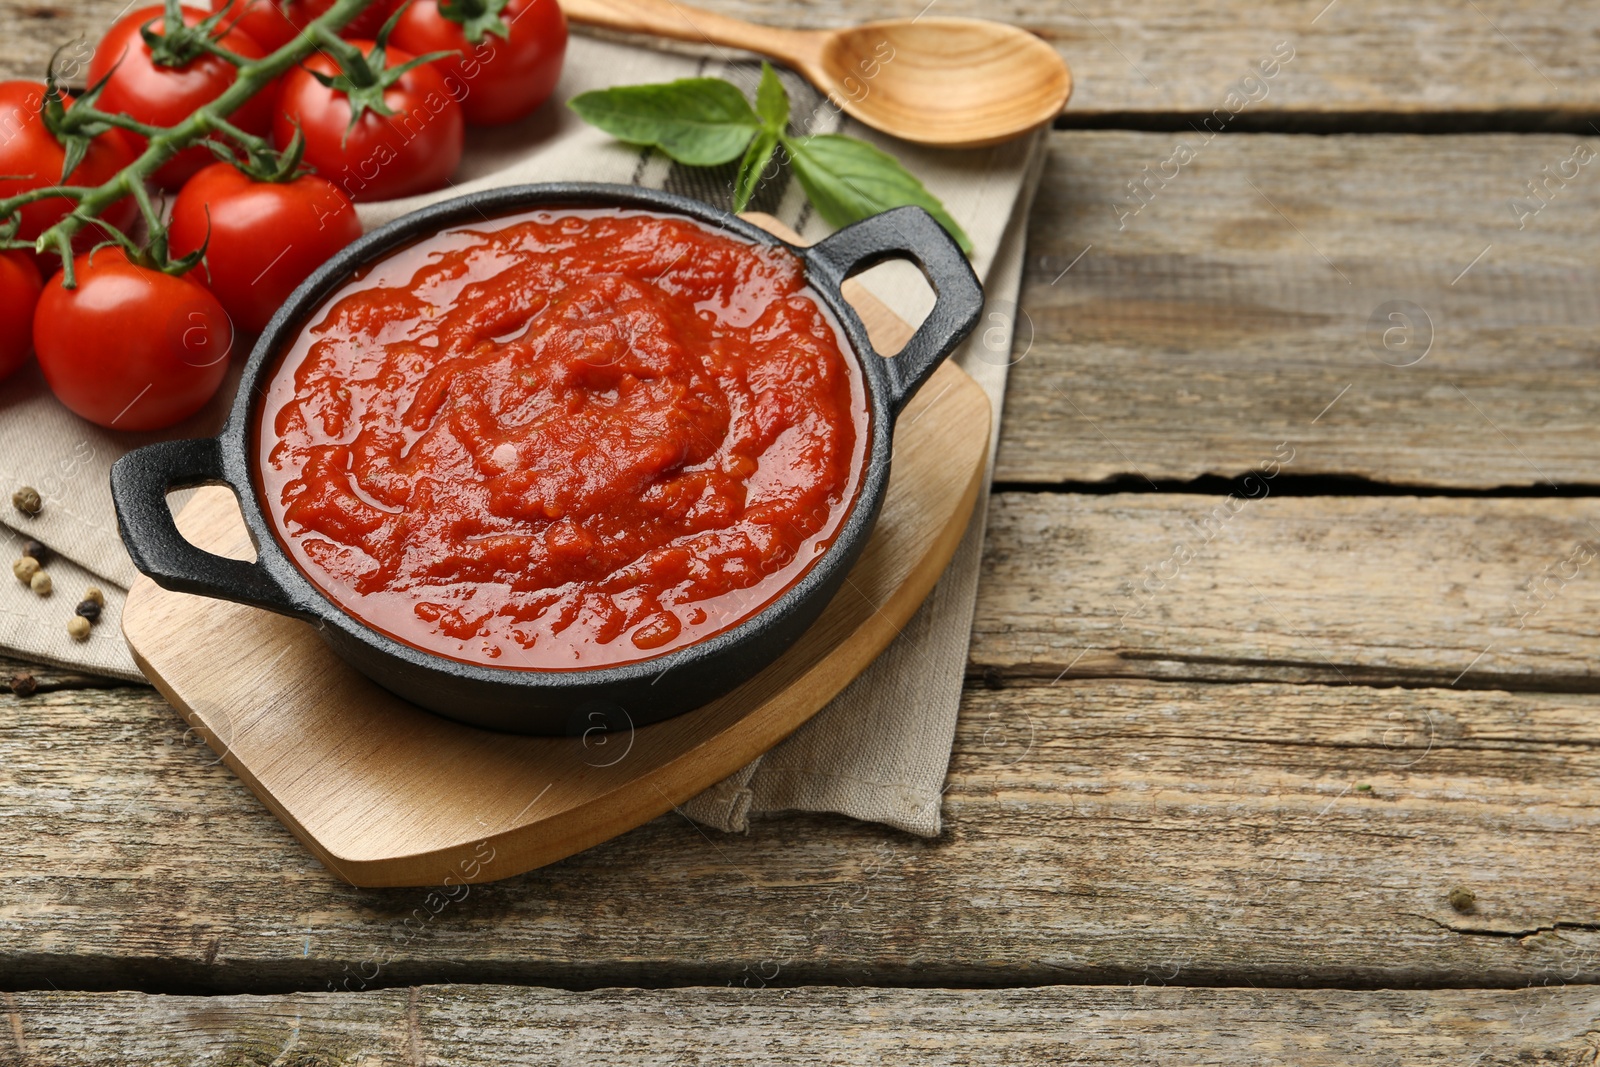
[680,22]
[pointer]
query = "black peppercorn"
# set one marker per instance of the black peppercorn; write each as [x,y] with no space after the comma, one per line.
[89,610]
[36,551]
[24,685]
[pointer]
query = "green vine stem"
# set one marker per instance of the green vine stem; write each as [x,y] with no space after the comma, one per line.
[252,77]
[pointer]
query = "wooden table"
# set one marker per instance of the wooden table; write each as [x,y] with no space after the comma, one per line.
[1227,746]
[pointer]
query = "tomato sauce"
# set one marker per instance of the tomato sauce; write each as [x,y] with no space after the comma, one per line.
[564,439]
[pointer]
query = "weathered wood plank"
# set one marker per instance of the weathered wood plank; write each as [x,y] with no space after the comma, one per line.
[1097,831]
[1165,55]
[1195,335]
[465,1025]
[1472,592]
[49,677]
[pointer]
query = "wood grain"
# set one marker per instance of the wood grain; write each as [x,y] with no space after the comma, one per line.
[1468,592]
[1096,831]
[1235,310]
[466,1025]
[1352,57]
[1185,830]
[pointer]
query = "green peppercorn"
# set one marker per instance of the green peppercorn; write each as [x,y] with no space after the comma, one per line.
[89,610]
[1461,898]
[27,500]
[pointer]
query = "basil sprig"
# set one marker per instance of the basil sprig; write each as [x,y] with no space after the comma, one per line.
[705,122]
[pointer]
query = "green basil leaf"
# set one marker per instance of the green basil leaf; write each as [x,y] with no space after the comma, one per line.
[698,121]
[848,180]
[772,103]
[752,166]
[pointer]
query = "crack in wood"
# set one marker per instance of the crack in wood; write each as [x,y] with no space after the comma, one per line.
[16,1026]
[1518,934]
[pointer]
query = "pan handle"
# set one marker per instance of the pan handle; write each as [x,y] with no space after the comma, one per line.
[140,482]
[907,233]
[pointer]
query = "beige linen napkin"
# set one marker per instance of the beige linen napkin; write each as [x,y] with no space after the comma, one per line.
[879,751]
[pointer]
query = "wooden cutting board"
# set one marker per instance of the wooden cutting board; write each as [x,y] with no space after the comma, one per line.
[386,794]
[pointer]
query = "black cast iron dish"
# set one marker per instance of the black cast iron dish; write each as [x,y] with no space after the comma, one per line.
[532,701]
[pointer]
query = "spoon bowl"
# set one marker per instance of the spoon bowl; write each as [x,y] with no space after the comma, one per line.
[954,82]
[950,82]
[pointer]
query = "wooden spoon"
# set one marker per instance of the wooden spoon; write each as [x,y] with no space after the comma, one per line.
[952,82]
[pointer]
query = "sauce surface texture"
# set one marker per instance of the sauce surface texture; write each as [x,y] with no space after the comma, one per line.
[565,439]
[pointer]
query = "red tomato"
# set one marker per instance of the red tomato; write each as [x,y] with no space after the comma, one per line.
[19,292]
[269,23]
[273,23]
[364,26]
[31,158]
[131,348]
[165,96]
[497,80]
[266,237]
[415,150]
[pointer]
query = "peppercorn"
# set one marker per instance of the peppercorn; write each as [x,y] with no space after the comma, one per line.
[78,627]
[93,593]
[27,501]
[35,550]
[24,684]
[40,583]
[1461,898]
[25,568]
[89,610]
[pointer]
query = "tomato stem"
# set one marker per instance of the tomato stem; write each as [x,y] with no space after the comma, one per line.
[352,60]
[249,141]
[180,44]
[252,77]
[49,192]
[364,77]
[63,247]
[157,232]
[114,118]
[208,44]
[477,18]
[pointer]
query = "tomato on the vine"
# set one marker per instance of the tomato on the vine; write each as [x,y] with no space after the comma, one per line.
[130,348]
[164,89]
[502,79]
[31,157]
[363,27]
[269,23]
[379,157]
[274,23]
[265,237]
[19,293]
